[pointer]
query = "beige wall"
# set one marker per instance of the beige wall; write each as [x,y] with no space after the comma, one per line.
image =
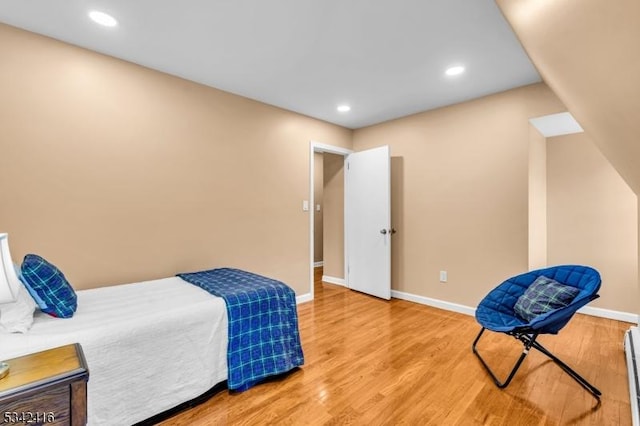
[318,185]
[587,52]
[398,264]
[537,199]
[592,218]
[117,173]
[464,207]
[333,215]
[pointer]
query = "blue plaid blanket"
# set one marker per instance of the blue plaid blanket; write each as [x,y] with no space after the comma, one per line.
[263,324]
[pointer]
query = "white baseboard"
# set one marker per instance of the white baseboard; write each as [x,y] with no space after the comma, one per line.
[318,264]
[468,310]
[303,298]
[608,313]
[334,280]
[449,306]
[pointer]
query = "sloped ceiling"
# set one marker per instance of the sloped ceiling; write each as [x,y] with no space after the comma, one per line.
[588,52]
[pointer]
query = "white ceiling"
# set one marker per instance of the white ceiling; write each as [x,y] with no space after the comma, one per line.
[385,58]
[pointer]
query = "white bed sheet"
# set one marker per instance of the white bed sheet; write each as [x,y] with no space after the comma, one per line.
[149,346]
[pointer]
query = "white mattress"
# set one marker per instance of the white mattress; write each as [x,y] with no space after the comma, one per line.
[149,346]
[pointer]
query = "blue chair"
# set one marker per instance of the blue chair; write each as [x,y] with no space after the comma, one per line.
[496,312]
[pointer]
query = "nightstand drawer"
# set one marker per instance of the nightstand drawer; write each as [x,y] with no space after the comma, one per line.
[49,407]
[46,388]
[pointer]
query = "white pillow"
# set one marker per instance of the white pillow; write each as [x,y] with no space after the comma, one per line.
[17,317]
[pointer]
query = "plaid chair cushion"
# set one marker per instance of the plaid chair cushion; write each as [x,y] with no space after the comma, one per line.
[542,296]
[50,285]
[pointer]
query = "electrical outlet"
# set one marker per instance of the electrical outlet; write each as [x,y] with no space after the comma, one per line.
[443,276]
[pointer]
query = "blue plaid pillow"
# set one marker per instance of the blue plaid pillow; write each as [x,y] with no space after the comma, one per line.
[543,296]
[50,285]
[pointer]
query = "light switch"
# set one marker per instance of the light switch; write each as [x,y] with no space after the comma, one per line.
[317,207]
[305,205]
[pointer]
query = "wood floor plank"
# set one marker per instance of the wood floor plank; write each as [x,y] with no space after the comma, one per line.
[375,362]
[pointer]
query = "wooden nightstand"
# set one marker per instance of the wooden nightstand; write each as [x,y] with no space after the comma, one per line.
[45,388]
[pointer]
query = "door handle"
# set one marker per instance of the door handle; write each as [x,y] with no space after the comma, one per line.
[392,231]
[383,231]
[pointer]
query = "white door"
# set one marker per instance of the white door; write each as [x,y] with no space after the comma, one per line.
[368,222]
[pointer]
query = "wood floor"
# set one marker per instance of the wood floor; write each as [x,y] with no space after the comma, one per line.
[373,362]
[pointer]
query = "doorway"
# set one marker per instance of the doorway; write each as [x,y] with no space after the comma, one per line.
[328,249]
[329,219]
[365,216]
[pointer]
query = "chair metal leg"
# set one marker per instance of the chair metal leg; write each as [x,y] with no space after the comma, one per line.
[525,352]
[529,341]
[571,372]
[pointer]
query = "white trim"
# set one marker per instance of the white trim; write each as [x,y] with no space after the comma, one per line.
[631,346]
[345,230]
[315,146]
[608,313]
[449,306]
[321,147]
[334,280]
[468,310]
[304,298]
[318,264]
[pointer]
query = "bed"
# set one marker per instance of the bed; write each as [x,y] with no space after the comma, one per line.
[150,346]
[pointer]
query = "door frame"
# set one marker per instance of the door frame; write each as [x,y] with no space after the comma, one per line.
[318,147]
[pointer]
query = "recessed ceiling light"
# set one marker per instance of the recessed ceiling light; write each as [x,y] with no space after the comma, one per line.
[103,18]
[344,108]
[456,70]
